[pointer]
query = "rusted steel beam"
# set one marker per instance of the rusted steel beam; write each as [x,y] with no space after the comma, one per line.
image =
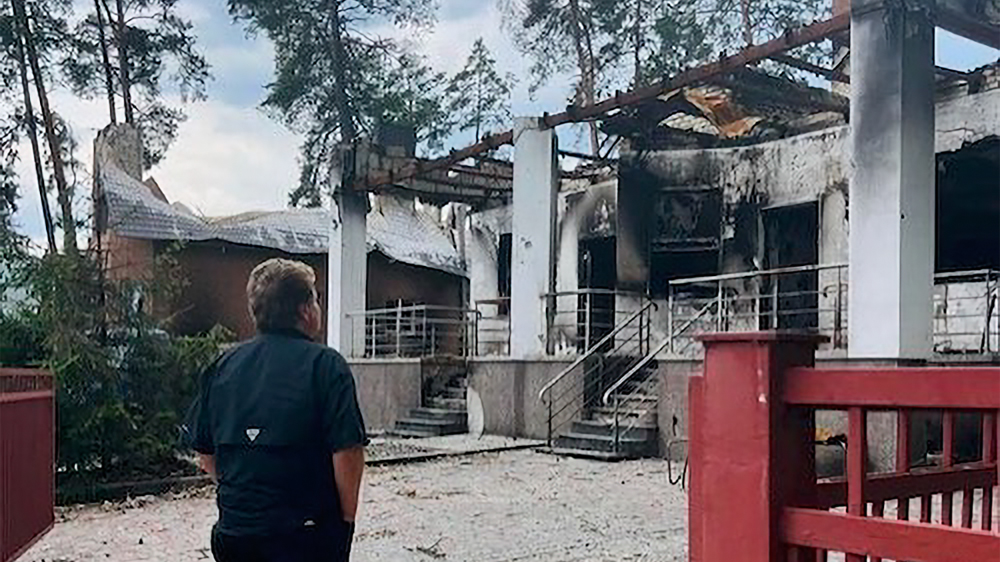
[790,40]
[978,31]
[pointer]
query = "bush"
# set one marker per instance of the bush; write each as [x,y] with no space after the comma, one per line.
[22,341]
[123,384]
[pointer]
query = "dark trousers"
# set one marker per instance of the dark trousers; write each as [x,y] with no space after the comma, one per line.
[327,543]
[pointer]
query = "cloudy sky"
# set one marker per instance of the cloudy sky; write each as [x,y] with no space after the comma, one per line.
[229,157]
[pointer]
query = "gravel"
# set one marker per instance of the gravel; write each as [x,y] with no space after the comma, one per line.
[516,505]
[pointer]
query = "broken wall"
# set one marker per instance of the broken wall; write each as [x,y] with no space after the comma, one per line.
[813,167]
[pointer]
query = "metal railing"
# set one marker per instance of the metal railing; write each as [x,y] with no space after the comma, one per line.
[575,320]
[812,297]
[414,331]
[566,397]
[493,331]
[967,311]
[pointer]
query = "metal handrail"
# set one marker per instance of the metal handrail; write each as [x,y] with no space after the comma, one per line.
[593,349]
[758,273]
[652,355]
[413,308]
[605,292]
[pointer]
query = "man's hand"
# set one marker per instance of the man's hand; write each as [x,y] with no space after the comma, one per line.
[348,467]
[207,464]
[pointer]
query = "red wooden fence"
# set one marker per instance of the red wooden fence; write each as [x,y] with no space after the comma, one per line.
[27,459]
[754,494]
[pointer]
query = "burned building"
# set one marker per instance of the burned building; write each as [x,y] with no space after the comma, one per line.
[729,206]
[412,261]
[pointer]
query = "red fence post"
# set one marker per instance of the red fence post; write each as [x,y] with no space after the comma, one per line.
[753,455]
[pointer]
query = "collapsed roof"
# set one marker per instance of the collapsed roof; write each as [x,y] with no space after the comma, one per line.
[742,107]
[135,209]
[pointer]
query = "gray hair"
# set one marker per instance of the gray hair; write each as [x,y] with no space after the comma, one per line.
[277,289]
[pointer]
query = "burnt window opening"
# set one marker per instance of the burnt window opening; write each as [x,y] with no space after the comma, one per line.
[968,208]
[667,266]
[791,235]
[504,253]
[686,238]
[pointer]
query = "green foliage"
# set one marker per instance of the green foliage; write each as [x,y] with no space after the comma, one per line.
[334,78]
[616,44]
[124,384]
[407,91]
[692,32]
[479,97]
[160,46]
[22,341]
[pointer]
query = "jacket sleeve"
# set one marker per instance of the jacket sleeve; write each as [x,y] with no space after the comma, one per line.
[340,414]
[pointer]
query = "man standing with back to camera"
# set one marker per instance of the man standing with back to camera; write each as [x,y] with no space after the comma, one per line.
[277,425]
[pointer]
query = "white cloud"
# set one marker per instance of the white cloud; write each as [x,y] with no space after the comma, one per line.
[228,156]
[228,160]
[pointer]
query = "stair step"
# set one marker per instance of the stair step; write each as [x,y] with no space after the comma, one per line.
[446,403]
[412,433]
[629,446]
[455,416]
[646,416]
[435,426]
[584,454]
[453,392]
[606,428]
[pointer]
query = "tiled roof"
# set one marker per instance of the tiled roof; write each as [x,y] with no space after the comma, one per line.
[395,228]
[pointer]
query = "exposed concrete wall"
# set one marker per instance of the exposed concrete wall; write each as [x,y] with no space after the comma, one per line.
[672,406]
[509,392]
[387,389]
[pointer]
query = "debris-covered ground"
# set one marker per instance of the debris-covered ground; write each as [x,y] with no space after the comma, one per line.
[516,505]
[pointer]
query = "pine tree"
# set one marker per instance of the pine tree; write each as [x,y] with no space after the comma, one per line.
[561,36]
[479,97]
[126,51]
[330,74]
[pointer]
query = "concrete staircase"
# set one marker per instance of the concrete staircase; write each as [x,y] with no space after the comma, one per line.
[593,435]
[444,412]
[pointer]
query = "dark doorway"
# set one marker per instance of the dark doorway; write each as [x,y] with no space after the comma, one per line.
[791,235]
[968,208]
[504,254]
[597,271]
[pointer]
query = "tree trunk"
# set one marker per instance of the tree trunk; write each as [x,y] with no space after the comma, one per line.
[50,233]
[585,62]
[109,81]
[340,99]
[123,64]
[64,194]
[638,43]
[747,24]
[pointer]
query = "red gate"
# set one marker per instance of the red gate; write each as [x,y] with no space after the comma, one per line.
[27,459]
[754,494]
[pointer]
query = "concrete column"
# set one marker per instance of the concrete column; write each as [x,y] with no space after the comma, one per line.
[536,185]
[892,189]
[347,272]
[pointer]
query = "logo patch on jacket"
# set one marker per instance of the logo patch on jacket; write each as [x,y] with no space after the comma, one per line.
[252,434]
